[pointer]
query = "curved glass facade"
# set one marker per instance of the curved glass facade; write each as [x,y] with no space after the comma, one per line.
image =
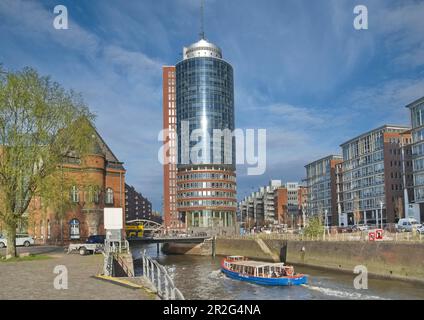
[205,101]
[206,179]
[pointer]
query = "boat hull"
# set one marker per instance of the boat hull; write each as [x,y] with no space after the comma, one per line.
[283,281]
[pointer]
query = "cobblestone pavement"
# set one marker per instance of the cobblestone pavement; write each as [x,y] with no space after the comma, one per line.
[34,280]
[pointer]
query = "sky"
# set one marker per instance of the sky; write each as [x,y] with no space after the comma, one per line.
[302,71]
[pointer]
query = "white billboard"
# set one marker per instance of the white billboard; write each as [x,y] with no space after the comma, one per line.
[113,218]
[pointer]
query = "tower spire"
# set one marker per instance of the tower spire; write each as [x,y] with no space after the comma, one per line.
[202,24]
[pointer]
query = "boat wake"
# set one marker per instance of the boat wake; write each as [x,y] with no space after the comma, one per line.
[342,294]
[216,274]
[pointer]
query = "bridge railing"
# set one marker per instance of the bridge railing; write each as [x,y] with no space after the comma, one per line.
[356,236]
[159,279]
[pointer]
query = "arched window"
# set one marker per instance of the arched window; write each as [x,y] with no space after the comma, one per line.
[109,196]
[74,231]
[74,194]
[42,229]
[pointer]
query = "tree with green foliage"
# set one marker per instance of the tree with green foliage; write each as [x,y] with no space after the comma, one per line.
[41,123]
[315,227]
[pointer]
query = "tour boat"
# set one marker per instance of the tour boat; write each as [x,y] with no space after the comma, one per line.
[259,272]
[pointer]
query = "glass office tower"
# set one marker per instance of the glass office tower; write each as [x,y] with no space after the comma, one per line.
[206,179]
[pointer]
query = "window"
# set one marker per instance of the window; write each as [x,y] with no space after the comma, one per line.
[74,194]
[49,233]
[109,196]
[74,231]
[93,194]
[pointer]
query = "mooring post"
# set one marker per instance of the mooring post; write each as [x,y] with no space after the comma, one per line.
[213,246]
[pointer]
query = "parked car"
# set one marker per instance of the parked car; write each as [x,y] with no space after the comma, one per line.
[21,240]
[420,230]
[96,239]
[407,225]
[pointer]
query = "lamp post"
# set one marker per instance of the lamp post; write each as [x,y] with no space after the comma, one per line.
[381,212]
[325,222]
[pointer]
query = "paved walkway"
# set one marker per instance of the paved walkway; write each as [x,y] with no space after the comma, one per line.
[34,280]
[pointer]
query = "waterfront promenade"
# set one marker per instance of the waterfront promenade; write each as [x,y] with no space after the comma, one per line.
[34,279]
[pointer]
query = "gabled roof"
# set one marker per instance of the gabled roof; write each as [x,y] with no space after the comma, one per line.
[102,148]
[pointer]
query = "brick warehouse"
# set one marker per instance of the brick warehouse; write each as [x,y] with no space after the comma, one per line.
[98,181]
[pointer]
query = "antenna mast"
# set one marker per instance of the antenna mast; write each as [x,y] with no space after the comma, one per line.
[202,25]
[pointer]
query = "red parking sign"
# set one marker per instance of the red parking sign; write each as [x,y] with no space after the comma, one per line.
[379,234]
[371,236]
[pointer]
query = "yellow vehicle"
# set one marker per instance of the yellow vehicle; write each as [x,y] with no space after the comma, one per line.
[134,231]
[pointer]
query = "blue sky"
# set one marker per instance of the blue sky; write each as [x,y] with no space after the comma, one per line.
[301,70]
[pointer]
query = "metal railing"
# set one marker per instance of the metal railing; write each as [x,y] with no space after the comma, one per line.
[122,246]
[112,249]
[355,236]
[159,279]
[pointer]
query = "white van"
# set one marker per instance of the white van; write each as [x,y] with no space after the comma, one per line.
[407,224]
[21,240]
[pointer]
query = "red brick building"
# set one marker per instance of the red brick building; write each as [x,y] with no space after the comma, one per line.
[98,181]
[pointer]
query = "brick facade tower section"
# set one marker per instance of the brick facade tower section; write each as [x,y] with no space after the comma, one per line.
[171,218]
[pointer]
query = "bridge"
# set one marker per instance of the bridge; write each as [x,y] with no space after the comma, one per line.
[156,234]
[163,239]
[148,225]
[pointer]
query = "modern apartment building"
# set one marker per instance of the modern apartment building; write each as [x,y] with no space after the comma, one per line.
[417,120]
[287,199]
[321,188]
[290,204]
[258,209]
[371,177]
[136,206]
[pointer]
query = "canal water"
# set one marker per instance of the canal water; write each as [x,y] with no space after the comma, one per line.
[199,277]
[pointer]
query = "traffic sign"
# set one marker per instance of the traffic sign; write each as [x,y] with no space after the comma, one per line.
[371,236]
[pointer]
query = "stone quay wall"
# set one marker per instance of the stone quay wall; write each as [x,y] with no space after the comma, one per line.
[403,261]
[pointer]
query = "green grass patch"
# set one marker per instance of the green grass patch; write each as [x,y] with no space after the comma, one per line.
[32,257]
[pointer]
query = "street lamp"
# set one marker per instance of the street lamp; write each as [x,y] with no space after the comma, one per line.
[325,221]
[381,211]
